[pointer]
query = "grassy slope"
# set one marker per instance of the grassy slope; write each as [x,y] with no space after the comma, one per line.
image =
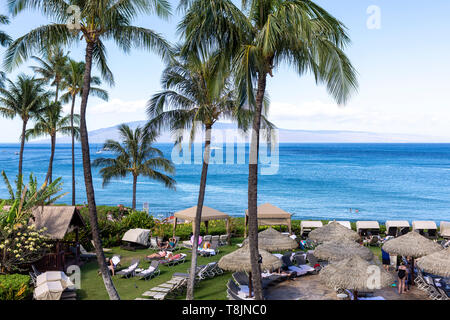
[92,287]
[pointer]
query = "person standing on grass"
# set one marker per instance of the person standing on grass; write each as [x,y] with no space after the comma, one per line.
[386,259]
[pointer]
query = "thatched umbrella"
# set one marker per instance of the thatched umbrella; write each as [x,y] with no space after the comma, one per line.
[355,274]
[333,231]
[411,245]
[273,241]
[239,260]
[437,263]
[336,251]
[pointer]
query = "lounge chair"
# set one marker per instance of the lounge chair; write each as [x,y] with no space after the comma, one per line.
[86,255]
[176,259]
[207,238]
[152,271]
[131,270]
[104,249]
[223,240]
[240,277]
[215,239]
[154,243]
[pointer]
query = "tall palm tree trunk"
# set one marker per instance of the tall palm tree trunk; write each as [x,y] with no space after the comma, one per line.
[133,206]
[22,146]
[49,176]
[198,214]
[253,189]
[73,148]
[109,285]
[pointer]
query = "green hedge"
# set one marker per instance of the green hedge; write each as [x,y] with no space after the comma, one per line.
[15,287]
[112,232]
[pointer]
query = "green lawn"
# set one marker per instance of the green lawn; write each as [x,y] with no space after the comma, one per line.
[92,287]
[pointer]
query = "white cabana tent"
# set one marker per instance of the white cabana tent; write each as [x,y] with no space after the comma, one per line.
[425,228]
[270,215]
[138,236]
[346,224]
[444,229]
[397,227]
[208,214]
[362,227]
[307,226]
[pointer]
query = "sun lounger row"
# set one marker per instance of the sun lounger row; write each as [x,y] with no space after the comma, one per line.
[168,289]
[436,287]
[203,272]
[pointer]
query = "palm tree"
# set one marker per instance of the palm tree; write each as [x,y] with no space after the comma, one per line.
[49,122]
[5,40]
[197,92]
[23,98]
[135,155]
[73,83]
[99,21]
[52,67]
[297,32]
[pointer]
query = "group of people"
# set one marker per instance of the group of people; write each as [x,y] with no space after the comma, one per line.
[404,271]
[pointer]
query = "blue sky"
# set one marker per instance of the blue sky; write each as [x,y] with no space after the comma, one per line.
[403,74]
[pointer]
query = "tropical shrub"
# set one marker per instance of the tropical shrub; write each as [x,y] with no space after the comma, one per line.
[15,287]
[112,231]
[20,242]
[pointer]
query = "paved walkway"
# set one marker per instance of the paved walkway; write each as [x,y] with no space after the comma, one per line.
[311,288]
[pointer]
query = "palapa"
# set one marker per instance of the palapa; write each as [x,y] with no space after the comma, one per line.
[333,231]
[411,244]
[239,260]
[437,263]
[273,241]
[355,274]
[336,251]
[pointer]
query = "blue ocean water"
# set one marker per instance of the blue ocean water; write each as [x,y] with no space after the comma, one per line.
[381,181]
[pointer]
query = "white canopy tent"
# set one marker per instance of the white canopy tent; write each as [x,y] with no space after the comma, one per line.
[425,228]
[445,229]
[362,227]
[307,226]
[346,224]
[270,215]
[396,227]
[139,236]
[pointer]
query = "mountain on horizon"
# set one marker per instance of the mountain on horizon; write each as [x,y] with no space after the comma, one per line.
[285,135]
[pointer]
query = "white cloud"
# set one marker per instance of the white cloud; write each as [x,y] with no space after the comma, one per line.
[390,118]
[118,106]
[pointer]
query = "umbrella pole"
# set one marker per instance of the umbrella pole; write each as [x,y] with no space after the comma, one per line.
[355,295]
[250,285]
[412,271]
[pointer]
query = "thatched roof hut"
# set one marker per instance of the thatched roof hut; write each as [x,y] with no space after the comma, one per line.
[411,244]
[273,241]
[336,251]
[333,231]
[239,260]
[59,220]
[437,263]
[355,274]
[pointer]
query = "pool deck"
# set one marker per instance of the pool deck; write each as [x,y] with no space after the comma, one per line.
[311,288]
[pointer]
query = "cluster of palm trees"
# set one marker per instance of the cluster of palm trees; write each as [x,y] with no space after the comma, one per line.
[32,98]
[220,70]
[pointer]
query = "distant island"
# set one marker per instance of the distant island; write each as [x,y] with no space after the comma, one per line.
[285,136]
